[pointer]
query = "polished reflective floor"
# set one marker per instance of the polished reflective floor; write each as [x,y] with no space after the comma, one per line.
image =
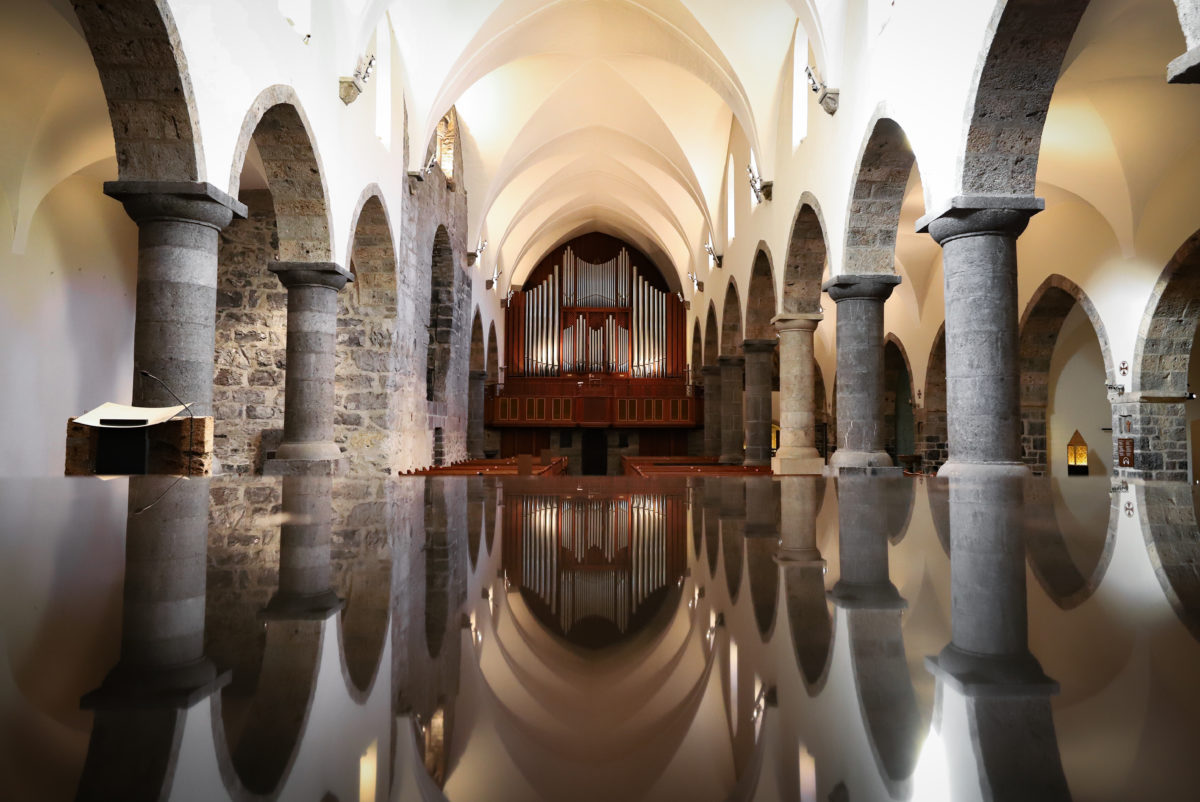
[602,639]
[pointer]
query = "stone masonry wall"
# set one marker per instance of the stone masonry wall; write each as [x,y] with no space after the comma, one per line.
[251,338]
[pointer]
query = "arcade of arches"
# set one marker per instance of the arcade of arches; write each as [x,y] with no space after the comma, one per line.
[823,247]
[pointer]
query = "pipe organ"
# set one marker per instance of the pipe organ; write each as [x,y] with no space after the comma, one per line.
[606,318]
[582,557]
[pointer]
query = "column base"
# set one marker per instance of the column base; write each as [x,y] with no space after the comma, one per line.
[845,458]
[800,558]
[805,462]
[983,471]
[177,687]
[306,459]
[877,596]
[302,608]
[1185,69]
[973,674]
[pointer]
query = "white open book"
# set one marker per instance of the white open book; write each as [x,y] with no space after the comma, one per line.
[119,416]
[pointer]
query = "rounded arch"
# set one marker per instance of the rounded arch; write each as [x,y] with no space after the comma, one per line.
[151,105]
[884,165]
[760,297]
[899,400]
[277,125]
[367,336]
[437,567]
[934,434]
[810,623]
[1013,85]
[493,355]
[807,259]
[1068,575]
[1173,547]
[441,316]
[731,321]
[1041,323]
[712,338]
[478,351]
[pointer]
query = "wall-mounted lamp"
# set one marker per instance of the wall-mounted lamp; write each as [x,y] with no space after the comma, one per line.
[761,189]
[826,97]
[697,284]
[475,255]
[712,253]
[1119,389]
[307,38]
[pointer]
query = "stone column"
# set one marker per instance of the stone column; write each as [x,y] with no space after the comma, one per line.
[860,388]
[311,358]
[176,313]
[475,436]
[712,410]
[305,539]
[759,368]
[733,434]
[797,452]
[978,236]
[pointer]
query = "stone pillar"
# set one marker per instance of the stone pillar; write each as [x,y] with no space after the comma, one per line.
[162,661]
[732,433]
[1185,69]
[759,368]
[308,413]
[305,539]
[860,388]
[983,375]
[797,452]
[175,325]
[475,400]
[712,410]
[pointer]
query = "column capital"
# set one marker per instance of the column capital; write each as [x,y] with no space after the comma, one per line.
[184,201]
[868,287]
[975,215]
[311,274]
[731,360]
[478,375]
[710,370]
[805,321]
[764,346]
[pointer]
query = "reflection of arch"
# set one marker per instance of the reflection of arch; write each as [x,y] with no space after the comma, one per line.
[1040,326]
[490,500]
[934,437]
[760,299]
[898,400]
[731,322]
[1169,514]
[806,258]
[441,316]
[278,127]
[712,523]
[437,566]
[811,625]
[367,336]
[883,170]
[762,544]
[1012,94]
[733,532]
[148,89]
[475,503]
[1050,560]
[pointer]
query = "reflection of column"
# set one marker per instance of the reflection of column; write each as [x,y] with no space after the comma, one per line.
[797,452]
[872,608]
[475,380]
[798,520]
[991,686]
[175,325]
[733,530]
[162,669]
[311,358]
[979,256]
[860,382]
[732,433]
[712,410]
[305,540]
[759,369]
[762,536]
[804,574]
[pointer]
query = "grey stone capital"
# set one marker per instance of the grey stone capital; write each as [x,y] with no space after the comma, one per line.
[311,274]
[975,674]
[477,375]
[731,360]
[866,287]
[874,596]
[194,202]
[806,321]
[710,370]
[1185,69]
[981,215]
[759,346]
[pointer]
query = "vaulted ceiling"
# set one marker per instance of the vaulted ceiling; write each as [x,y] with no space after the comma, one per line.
[608,115]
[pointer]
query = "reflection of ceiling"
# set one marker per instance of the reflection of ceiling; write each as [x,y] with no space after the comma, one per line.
[581,115]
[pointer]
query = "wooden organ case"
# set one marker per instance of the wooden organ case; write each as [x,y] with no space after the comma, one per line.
[596,342]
